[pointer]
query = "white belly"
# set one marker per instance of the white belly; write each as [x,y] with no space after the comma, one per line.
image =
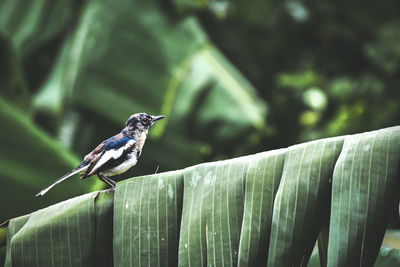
[123,167]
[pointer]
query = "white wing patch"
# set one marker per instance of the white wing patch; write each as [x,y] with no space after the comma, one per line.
[115,154]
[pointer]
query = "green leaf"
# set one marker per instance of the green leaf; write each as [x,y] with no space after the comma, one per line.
[219,8]
[262,209]
[306,173]
[64,233]
[389,253]
[103,223]
[14,226]
[259,202]
[13,87]
[30,24]
[30,160]
[147,213]
[43,239]
[212,213]
[114,64]
[363,186]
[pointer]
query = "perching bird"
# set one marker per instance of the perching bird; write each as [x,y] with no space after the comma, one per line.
[116,154]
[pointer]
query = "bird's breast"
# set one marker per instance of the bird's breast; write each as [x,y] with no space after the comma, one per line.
[142,140]
[124,166]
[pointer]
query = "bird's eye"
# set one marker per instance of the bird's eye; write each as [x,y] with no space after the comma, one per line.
[146,121]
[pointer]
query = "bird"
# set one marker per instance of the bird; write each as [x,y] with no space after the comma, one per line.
[115,155]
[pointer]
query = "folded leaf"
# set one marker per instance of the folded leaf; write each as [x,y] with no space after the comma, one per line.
[262,209]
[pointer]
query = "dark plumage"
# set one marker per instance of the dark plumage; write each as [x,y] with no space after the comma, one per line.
[116,154]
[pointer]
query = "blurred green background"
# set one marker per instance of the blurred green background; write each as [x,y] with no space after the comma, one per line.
[232,77]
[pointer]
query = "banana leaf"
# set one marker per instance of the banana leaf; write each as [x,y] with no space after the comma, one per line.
[262,209]
[132,56]
[103,61]
[30,159]
[30,25]
[80,69]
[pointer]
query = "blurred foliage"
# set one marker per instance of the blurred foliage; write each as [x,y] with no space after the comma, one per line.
[27,154]
[232,77]
[347,51]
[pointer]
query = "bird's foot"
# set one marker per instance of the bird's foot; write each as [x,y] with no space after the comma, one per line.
[109,190]
[108,181]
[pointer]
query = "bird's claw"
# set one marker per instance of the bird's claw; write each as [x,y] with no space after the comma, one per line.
[109,190]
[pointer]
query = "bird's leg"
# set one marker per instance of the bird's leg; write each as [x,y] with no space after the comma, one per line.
[108,181]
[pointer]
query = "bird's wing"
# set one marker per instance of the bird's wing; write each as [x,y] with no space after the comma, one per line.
[93,157]
[89,159]
[113,148]
[98,150]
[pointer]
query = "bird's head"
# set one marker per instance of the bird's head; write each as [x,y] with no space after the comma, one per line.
[141,122]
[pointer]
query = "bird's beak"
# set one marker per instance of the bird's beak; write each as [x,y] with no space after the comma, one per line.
[156,118]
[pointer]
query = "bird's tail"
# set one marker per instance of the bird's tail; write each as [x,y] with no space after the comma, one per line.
[59,180]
